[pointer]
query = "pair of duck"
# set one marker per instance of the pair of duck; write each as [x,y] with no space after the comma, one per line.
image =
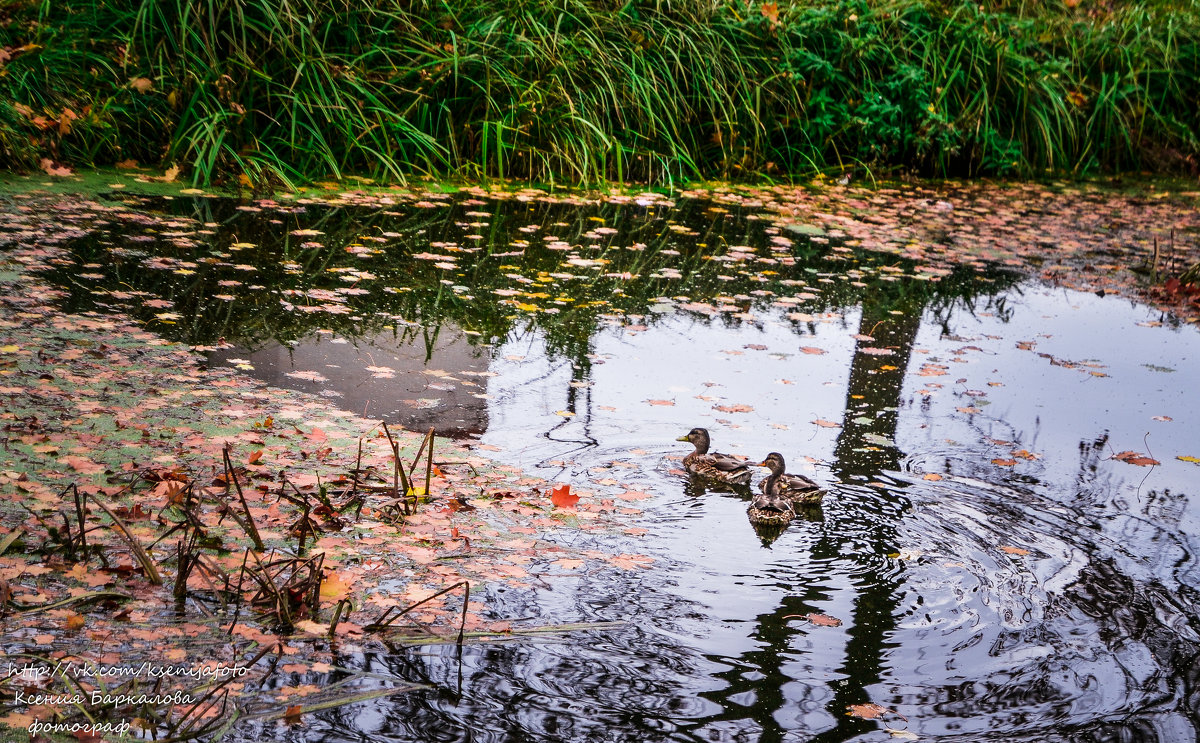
[781,491]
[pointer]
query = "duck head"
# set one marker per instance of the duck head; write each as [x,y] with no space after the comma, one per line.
[698,438]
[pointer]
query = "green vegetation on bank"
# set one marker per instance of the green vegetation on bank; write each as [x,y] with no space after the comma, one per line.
[582,91]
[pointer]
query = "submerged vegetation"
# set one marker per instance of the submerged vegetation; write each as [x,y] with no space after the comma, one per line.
[582,92]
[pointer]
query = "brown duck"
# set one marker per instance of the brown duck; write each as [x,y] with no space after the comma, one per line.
[797,489]
[770,509]
[721,467]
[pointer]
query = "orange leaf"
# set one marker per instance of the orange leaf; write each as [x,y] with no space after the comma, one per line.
[770,11]
[1014,550]
[1132,457]
[254,457]
[561,497]
[869,711]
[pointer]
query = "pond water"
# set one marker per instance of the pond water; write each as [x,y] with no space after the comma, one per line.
[995,571]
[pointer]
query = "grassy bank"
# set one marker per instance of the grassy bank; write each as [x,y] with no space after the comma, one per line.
[582,91]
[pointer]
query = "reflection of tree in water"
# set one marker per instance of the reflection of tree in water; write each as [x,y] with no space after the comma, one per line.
[645,253]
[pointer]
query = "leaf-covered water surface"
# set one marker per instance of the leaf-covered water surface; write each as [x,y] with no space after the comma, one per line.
[1007,547]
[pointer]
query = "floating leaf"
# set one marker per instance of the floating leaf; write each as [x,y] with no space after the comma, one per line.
[1014,550]
[561,497]
[869,711]
[1132,457]
[733,408]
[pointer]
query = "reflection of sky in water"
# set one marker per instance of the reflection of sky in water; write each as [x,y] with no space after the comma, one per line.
[971,616]
[1053,592]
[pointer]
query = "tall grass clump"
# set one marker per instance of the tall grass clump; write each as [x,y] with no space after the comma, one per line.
[584,91]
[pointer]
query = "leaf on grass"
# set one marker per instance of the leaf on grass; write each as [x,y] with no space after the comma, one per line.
[1132,457]
[48,165]
[561,497]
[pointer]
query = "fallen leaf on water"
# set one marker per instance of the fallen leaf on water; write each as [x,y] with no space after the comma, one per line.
[821,620]
[661,402]
[1193,460]
[733,408]
[1162,418]
[1004,462]
[1132,457]
[826,424]
[812,350]
[901,734]
[561,497]
[1014,550]
[869,711]
[932,476]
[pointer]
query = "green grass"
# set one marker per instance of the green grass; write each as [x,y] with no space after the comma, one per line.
[583,92]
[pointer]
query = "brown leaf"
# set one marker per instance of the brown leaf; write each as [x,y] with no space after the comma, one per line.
[1132,457]
[48,165]
[826,424]
[821,620]
[1014,550]
[141,84]
[733,408]
[869,711]
[661,402]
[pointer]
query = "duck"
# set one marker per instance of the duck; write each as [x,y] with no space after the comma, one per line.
[797,489]
[770,509]
[721,467]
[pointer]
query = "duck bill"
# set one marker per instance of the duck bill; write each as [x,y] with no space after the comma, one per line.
[682,438]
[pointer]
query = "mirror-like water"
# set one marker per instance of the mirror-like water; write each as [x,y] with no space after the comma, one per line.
[997,572]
